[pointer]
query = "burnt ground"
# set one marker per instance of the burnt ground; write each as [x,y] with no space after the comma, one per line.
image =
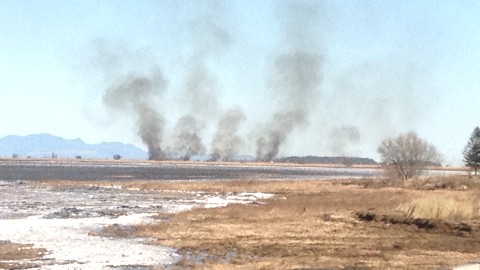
[11,169]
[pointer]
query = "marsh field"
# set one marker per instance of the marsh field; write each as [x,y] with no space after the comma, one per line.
[258,217]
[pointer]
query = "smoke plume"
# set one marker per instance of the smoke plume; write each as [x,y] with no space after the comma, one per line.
[208,38]
[342,138]
[135,95]
[297,75]
[226,142]
[269,145]
[217,53]
[188,142]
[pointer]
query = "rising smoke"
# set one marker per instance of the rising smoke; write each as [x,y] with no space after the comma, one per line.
[188,142]
[341,139]
[268,146]
[297,77]
[199,102]
[135,95]
[227,142]
[296,74]
[208,38]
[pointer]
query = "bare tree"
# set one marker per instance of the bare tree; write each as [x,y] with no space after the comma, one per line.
[408,154]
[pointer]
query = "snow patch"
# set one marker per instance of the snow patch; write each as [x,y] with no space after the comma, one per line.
[60,221]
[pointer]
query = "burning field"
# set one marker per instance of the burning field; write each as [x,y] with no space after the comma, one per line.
[301,220]
[233,101]
[200,123]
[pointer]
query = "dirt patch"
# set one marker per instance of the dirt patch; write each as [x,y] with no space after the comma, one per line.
[115,230]
[18,256]
[429,225]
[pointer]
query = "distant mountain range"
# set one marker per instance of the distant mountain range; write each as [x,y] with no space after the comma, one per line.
[47,145]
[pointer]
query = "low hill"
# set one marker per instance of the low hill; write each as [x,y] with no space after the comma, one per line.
[47,145]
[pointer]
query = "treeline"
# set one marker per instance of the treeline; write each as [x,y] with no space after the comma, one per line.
[327,160]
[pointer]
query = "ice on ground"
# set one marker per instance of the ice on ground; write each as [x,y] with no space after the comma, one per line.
[240,198]
[256,195]
[70,245]
[60,221]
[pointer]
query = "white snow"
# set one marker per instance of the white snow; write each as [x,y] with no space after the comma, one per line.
[60,221]
[71,246]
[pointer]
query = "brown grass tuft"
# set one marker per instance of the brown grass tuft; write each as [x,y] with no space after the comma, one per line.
[450,182]
[12,254]
[444,206]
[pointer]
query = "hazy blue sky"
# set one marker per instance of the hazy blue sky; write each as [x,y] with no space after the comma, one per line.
[387,67]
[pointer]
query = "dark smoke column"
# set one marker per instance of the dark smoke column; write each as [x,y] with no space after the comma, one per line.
[135,95]
[209,38]
[188,142]
[226,142]
[297,74]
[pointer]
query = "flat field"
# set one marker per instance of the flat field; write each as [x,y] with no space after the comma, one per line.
[313,221]
[334,224]
[326,225]
[99,170]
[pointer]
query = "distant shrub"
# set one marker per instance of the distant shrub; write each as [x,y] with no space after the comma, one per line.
[14,155]
[78,157]
[117,157]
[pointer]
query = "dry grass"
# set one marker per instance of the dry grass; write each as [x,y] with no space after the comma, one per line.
[12,254]
[459,182]
[451,182]
[454,198]
[453,206]
[311,225]
[212,186]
